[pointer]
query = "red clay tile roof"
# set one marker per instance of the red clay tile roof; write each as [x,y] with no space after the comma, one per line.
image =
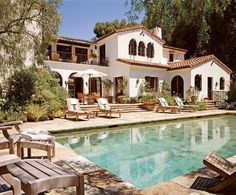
[174,48]
[145,64]
[132,28]
[196,61]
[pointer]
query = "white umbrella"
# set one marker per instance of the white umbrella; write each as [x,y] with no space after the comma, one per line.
[89,73]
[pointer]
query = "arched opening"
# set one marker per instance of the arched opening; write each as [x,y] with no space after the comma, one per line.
[141,49]
[222,83]
[177,86]
[75,85]
[150,50]
[57,77]
[132,47]
[198,82]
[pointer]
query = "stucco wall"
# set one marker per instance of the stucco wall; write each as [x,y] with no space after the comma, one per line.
[184,73]
[139,35]
[139,73]
[178,56]
[214,70]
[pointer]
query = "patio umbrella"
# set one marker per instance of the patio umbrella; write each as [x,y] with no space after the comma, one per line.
[89,73]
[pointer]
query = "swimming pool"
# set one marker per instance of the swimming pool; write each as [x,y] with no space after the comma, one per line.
[145,155]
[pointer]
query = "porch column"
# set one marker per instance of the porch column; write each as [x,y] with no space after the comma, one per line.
[86,85]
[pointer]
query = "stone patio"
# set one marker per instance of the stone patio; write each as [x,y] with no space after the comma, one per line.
[100,181]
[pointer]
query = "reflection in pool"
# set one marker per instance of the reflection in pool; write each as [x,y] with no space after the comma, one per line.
[145,155]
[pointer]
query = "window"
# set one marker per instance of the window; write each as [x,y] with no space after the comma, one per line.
[150,50]
[132,47]
[94,85]
[222,83]
[198,82]
[153,82]
[171,57]
[141,49]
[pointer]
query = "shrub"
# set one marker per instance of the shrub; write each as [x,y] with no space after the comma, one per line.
[200,106]
[19,88]
[34,112]
[34,90]
[232,93]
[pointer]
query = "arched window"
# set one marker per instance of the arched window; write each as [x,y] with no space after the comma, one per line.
[198,82]
[150,50]
[141,49]
[222,83]
[132,47]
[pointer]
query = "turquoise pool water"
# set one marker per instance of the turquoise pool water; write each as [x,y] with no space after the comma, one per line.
[145,155]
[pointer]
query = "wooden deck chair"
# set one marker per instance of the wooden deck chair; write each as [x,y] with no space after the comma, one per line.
[182,106]
[104,107]
[8,141]
[163,106]
[225,169]
[39,175]
[16,138]
[74,109]
[9,185]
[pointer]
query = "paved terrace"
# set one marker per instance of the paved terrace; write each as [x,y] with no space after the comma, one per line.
[100,181]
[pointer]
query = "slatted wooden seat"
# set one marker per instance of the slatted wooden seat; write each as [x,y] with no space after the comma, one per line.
[9,185]
[39,175]
[225,169]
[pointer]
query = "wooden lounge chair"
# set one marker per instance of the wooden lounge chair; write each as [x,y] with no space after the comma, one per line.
[74,109]
[225,169]
[182,106]
[104,107]
[163,106]
[38,175]
[8,141]
[9,185]
[16,139]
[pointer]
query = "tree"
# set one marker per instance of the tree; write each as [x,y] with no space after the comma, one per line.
[103,28]
[26,27]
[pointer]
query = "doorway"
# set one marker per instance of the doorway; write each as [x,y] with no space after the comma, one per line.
[177,86]
[209,87]
[118,86]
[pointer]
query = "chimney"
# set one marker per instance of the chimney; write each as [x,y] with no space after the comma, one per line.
[157,31]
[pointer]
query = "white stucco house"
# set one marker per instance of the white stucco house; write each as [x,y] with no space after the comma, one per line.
[134,55]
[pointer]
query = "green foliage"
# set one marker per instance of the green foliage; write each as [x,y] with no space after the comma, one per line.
[232,93]
[103,28]
[34,90]
[19,89]
[11,115]
[35,112]
[200,106]
[21,22]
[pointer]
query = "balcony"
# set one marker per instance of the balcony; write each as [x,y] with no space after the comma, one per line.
[62,56]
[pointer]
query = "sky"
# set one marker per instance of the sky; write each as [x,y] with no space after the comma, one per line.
[80,16]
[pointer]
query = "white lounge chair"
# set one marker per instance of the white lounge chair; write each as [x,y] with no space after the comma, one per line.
[104,107]
[180,103]
[74,109]
[163,106]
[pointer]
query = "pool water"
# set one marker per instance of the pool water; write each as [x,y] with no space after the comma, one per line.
[145,155]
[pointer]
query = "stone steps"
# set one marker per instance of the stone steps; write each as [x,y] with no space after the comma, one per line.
[126,107]
[211,105]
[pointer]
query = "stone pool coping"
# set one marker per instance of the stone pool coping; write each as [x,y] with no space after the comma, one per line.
[100,181]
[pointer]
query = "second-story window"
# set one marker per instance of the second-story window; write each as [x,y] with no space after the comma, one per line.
[141,49]
[132,47]
[150,50]
[171,57]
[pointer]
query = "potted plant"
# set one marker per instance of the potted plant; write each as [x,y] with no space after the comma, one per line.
[149,100]
[192,94]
